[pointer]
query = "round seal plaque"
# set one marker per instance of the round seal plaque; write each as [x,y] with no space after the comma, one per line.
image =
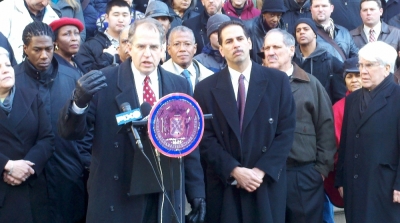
[176,125]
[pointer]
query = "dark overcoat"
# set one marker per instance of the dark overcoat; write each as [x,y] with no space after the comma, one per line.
[25,134]
[113,154]
[368,167]
[65,169]
[265,142]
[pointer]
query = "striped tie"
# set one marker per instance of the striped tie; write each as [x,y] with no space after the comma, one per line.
[372,35]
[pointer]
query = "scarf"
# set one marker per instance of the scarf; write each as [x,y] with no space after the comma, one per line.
[6,105]
[368,96]
[330,28]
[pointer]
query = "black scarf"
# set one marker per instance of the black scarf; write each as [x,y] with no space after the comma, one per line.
[367,96]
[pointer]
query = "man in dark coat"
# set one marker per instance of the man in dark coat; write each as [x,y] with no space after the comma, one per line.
[317,61]
[390,9]
[198,24]
[270,18]
[368,170]
[245,155]
[296,9]
[116,163]
[371,11]
[311,157]
[55,82]
[335,38]
[345,13]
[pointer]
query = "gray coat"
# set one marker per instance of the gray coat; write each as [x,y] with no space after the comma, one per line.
[314,136]
[389,35]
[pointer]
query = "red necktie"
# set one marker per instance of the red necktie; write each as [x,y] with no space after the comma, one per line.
[241,99]
[148,94]
[372,35]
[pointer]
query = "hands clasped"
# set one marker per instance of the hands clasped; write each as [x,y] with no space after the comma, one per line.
[248,179]
[17,171]
[87,86]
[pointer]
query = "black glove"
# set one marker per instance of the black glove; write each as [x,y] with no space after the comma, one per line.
[87,86]
[198,213]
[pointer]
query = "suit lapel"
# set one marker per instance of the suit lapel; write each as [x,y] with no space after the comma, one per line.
[126,84]
[226,101]
[256,91]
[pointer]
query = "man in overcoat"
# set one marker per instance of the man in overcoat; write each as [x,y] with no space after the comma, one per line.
[368,170]
[247,142]
[116,163]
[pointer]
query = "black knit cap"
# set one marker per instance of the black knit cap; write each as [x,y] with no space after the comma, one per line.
[273,6]
[307,21]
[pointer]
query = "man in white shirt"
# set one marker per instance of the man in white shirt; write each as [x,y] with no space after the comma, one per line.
[181,48]
[373,29]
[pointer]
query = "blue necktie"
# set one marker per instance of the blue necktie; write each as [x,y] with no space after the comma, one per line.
[186,74]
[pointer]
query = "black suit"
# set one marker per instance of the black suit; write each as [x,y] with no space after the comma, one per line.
[25,134]
[265,142]
[113,155]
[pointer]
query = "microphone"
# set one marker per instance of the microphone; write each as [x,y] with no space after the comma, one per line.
[126,107]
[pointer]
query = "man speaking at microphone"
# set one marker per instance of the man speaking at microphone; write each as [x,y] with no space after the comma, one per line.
[96,100]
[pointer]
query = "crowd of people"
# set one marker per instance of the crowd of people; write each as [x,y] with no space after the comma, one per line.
[303,95]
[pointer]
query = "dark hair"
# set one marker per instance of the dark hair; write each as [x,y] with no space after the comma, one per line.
[36,29]
[118,3]
[377,2]
[230,23]
[311,2]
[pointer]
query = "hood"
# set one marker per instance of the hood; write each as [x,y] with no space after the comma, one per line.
[319,50]
[292,6]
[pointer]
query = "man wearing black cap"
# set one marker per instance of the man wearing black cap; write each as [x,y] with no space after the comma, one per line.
[270,18]
[314,59]
[199,23]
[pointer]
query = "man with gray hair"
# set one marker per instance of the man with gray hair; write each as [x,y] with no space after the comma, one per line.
[122,185]
[181,48]
[368,170]
[311,157]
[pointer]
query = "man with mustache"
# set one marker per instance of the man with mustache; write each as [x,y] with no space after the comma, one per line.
[270,18]
[247,142]
[15,15]
[199,23]
[181,48]
[311,155]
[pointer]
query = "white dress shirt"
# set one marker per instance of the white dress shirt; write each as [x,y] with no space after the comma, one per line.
[235,79]
[139,82]
[192,72]
[376,28]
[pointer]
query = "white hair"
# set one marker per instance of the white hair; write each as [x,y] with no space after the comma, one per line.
[380,52]
[4,52]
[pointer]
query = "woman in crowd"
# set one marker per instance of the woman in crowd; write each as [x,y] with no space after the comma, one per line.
[67,41]
[72,9]
[25,146]
[181,10]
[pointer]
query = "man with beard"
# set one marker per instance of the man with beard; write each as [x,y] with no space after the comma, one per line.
[198,24]
[270,18]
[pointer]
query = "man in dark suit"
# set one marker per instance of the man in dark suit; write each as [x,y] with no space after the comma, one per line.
[245,154]
[121,185]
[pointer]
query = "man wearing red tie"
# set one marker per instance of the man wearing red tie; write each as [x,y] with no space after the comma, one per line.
[115,162]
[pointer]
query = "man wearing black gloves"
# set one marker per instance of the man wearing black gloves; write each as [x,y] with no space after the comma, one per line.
[115,162]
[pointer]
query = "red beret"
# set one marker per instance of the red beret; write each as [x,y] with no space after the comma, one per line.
[56,24]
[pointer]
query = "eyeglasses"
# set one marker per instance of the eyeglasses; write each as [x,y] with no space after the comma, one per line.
[178,45]
[367,66]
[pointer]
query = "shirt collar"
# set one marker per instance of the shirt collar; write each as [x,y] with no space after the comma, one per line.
[290,71]
[140,77]
[191,68]
[235,74]
[377,28]
[114,42]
